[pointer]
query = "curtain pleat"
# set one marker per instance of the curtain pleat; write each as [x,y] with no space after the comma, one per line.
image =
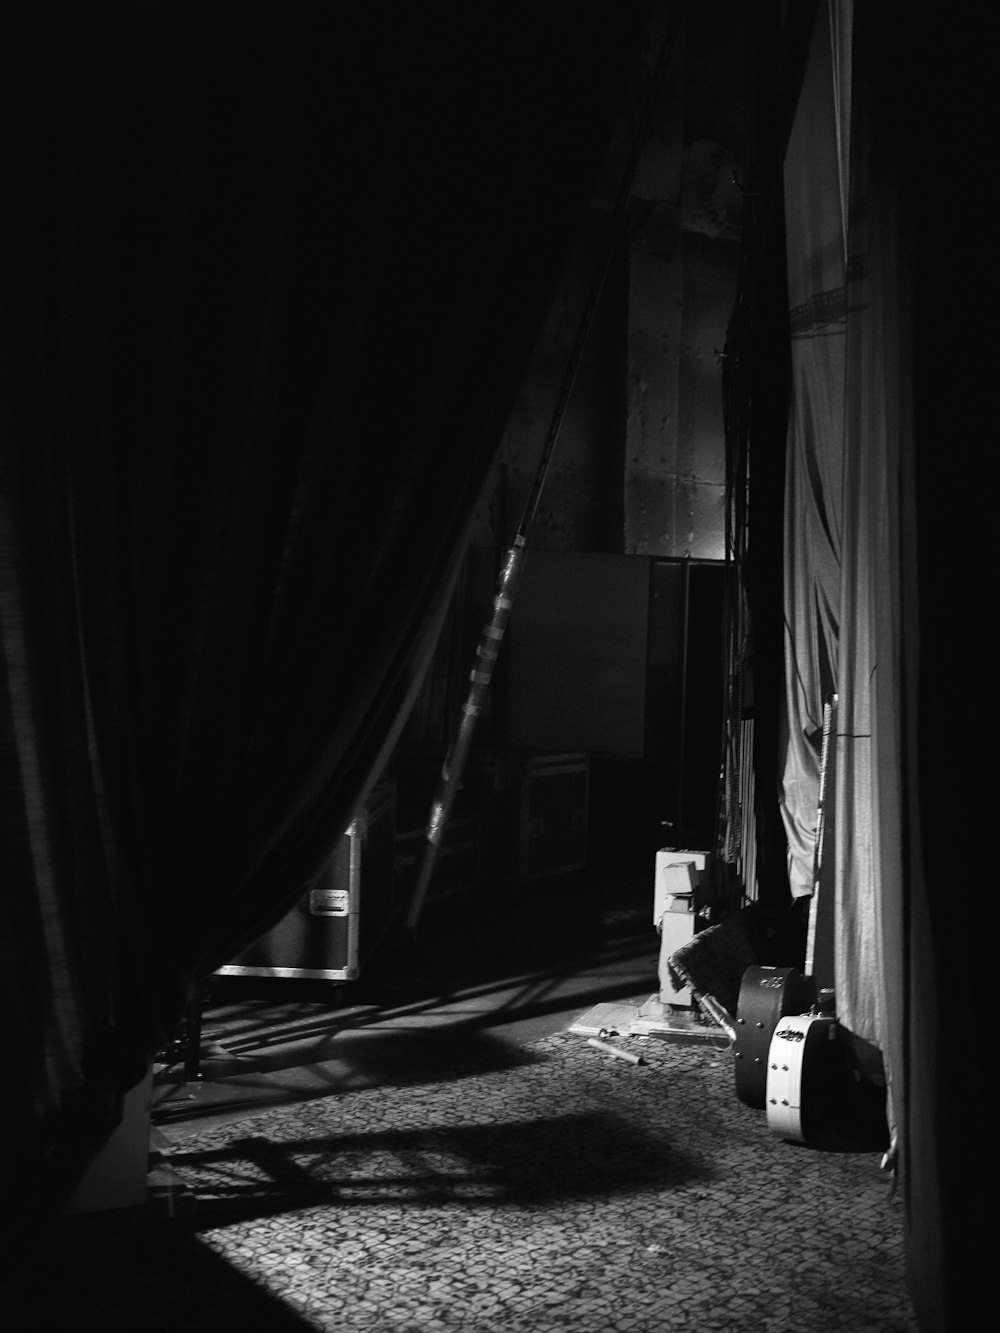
[270,276]
[843,526]
[814,516]
[938,100]
[899,414]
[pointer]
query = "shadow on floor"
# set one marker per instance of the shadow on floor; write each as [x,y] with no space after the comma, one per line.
[536,1162]
[482,978]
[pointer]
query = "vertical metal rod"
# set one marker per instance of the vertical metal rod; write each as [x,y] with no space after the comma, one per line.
[829,710]
[682,829]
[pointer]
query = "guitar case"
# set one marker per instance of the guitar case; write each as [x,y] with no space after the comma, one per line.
[805,1076]
[767,994]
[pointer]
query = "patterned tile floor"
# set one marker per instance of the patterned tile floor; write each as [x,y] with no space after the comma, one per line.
[562,1189]
[457,1158]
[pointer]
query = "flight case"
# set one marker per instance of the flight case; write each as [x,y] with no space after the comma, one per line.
[332,930]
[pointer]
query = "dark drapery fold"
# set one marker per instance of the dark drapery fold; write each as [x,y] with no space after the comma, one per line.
[937,92]
[270,274]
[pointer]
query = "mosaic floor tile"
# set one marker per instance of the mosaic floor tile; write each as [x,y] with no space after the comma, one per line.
[565,1193]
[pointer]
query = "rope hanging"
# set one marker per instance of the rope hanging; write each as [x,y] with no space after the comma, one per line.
[493,632]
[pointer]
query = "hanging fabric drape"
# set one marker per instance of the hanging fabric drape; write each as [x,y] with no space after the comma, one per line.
[269,279]
[842,530]
[814,460]
[888,548]
[934,108]
[751,836]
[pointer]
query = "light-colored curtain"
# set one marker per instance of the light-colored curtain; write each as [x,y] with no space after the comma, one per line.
[890,555]
[842,528]
[815,455]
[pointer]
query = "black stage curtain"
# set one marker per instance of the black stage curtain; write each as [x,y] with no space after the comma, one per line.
[941,88]
[270,274]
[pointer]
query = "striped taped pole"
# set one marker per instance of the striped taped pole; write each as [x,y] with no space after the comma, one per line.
[480,678]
